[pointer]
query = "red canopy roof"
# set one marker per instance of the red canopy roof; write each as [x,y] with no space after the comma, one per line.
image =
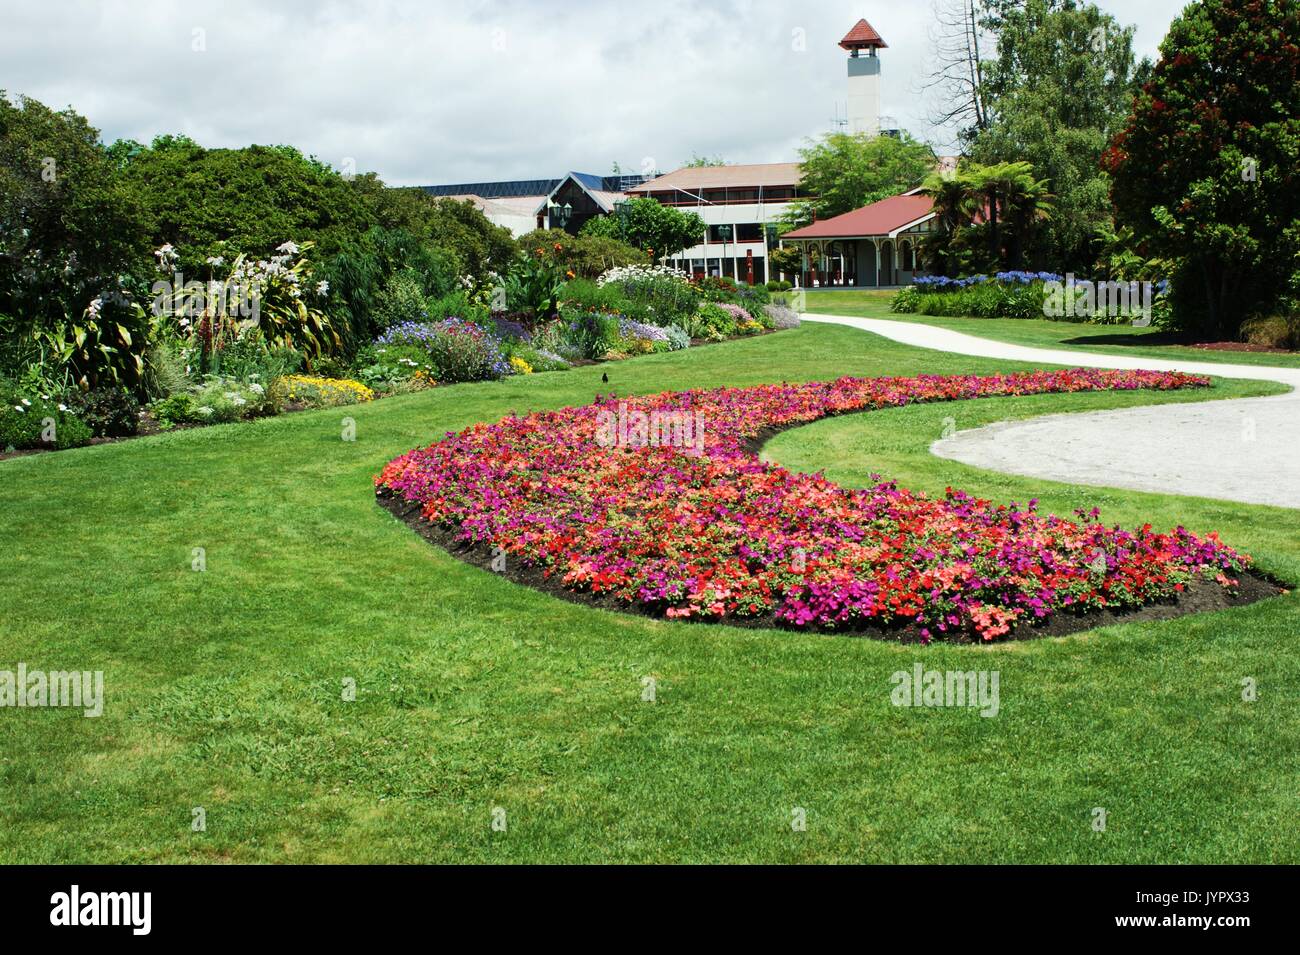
[879,218]
[863,36]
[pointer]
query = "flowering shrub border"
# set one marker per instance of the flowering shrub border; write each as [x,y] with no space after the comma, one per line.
[599,501]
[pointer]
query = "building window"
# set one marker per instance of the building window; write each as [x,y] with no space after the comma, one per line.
[749,232]
[715,233]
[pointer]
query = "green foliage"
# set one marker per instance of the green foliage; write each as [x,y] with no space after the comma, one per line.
[1059,86]
[1205,171]
[787,259]
[249,358]
[384,367]
[846,171]
[402,300]
[982,300]
[456,228]
[210,202]
[535,281]
[654,294]
[109,411]
[28,420]
[457,304]
[1008,199]
[591,334]
[164,371]
[586,255]
[712,322]
[357,276]
[587,294]
[217,400]
[655,229]
[68,228]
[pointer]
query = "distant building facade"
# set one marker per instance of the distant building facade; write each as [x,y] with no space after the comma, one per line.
[876,246]
[739,205]
[522,205]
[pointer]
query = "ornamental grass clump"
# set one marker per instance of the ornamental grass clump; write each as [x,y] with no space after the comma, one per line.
[712,532]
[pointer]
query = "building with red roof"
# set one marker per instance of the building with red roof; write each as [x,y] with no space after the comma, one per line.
[872,247]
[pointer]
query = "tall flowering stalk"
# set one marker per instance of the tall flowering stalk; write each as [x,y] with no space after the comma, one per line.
[277,296]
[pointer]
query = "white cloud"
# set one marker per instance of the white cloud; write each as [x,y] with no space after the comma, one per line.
[441,92]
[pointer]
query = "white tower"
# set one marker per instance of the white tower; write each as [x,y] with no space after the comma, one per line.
[864,78]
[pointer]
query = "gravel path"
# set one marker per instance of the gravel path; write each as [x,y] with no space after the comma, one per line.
[1245,449]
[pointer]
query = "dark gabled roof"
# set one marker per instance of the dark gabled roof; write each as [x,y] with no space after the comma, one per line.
[534,187]
[496,190]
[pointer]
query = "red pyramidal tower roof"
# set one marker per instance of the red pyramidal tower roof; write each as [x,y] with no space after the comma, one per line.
[863,36]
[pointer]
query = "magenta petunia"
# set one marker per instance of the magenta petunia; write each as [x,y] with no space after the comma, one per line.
[662,502]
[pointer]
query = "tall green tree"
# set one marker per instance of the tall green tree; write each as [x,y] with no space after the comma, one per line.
[650,226]
[845,171]
[1015,201]
[69,232]
[225,201]
[1205,171]
[1059,86]
[1002,206]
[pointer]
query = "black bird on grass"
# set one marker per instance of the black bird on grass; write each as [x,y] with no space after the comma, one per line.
[604,377]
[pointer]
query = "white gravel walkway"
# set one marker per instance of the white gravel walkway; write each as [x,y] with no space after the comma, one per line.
[1245,449]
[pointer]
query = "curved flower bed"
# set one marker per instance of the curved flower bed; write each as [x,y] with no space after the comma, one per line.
[662,503]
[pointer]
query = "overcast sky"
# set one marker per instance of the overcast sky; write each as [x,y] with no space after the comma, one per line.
[445,92]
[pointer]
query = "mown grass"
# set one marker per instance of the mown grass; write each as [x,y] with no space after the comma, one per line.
[224,687]
[1044,333]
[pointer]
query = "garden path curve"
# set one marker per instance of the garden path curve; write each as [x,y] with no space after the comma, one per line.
[1242,449]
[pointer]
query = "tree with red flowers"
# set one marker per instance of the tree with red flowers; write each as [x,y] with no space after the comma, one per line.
[1206,171]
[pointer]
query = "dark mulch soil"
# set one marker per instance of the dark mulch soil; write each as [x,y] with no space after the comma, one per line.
[1198,598]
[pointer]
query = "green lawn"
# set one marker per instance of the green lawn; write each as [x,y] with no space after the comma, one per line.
[223,687]
[1042,333]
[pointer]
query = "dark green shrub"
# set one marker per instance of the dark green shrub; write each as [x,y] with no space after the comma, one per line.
[591,334]
[401,300]
[38,422]
[110,412]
